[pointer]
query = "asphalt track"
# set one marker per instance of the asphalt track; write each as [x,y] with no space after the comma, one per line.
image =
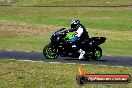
[38,56]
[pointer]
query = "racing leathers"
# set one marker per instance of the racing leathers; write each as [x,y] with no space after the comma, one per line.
[82,34]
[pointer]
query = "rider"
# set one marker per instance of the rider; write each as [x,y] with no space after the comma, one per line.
[82,34]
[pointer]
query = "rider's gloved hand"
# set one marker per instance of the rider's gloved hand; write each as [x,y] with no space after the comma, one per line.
[66,31]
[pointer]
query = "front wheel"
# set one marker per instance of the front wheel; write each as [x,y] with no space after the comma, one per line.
[49,52]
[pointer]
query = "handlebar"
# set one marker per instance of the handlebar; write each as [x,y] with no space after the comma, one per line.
[61,31]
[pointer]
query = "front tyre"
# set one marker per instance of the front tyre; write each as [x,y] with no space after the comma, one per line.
[49,52]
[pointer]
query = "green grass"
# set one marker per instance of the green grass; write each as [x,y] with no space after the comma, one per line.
[70,2]
[20,74]
[23,43]
[97,18]
[30,29]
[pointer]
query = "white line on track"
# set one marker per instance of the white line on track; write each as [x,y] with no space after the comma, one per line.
[65,63]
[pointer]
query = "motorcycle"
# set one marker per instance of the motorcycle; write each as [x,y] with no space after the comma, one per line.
[61,46]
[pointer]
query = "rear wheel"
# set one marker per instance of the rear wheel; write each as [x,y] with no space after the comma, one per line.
[49,52]
[97,53]
[93,54]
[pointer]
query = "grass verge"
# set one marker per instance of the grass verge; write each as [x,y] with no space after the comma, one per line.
[97,18]
[19,74]
[69,2]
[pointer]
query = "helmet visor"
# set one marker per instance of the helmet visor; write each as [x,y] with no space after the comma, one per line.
[73,26]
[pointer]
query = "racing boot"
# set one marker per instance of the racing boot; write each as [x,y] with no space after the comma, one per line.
[81,54]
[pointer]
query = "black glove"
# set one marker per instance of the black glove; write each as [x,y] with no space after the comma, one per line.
[66,31]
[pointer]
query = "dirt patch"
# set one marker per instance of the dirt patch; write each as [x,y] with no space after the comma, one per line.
[8,1]
[13,28]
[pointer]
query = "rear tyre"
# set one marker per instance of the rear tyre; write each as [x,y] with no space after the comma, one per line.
[97,53]
[49,52]
[93,54]
[88,55]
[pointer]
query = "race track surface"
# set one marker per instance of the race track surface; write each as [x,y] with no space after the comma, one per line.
[38,56]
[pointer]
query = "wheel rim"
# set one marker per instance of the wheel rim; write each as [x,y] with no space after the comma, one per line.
[97,55]
[49,53]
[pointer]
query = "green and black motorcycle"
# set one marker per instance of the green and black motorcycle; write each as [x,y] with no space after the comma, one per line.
[60,46]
